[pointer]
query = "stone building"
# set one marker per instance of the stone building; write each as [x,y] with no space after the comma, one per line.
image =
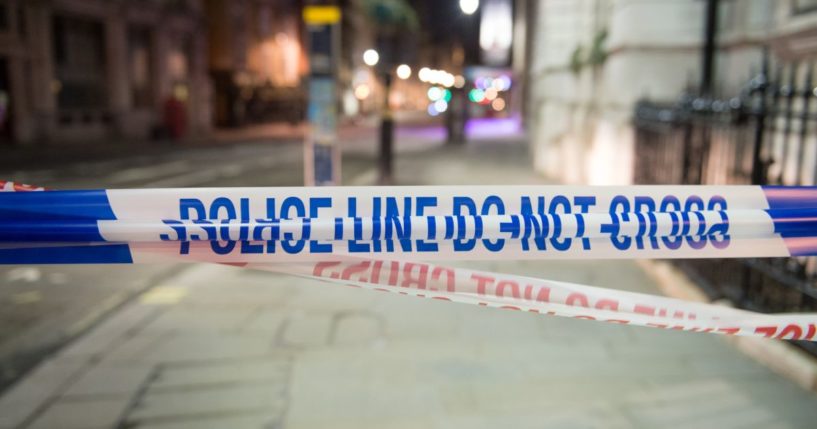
[256,60]
[80,70]
[592,60]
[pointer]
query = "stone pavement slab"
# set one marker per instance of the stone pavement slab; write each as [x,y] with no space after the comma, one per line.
[269,369]
[81,414]
[205,402]
[107,381]
[263,420]
[308,329]
[26,398]
[358,328]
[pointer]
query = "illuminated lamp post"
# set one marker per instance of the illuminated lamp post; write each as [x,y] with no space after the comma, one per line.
[393,20]
[457,112]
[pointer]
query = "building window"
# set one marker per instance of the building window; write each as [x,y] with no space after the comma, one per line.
[179,63]
[140,60]
[79,59]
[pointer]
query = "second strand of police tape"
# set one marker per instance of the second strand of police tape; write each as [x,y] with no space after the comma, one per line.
[550,297]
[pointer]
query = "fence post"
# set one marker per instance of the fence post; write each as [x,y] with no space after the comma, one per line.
[761,84]
[804,119]
[685,113]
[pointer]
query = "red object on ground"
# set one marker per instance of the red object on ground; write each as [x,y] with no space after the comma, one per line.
[175,117]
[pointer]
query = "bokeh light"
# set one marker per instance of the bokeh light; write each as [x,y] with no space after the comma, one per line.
[476,95]
[459,81]
[403,71]
[362,91]
[468,7]
[502,83]
[424,74]
[498,104]
[491,93]
[371,57]
[435,93]
[447,79]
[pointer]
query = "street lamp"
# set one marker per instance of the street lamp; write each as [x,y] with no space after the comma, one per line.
[394,23]
[424,74]
[403,71]
[469,6]
[371,57]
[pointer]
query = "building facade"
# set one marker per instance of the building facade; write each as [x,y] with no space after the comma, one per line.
[592,60]
[256,60]
[80,70]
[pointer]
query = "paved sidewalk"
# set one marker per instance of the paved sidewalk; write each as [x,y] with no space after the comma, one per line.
[220,347]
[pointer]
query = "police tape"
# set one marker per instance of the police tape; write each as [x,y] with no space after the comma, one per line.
[550,297]
[8,186]
[693,224]
[248,226]
[235,225]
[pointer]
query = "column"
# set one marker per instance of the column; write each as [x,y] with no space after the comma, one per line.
[117,73]
[43,99]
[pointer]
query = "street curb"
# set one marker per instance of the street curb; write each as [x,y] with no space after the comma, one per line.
[96,315]
[779,356]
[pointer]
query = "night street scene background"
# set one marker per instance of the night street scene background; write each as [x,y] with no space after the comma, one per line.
[98,94]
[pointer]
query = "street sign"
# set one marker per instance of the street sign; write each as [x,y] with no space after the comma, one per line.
[321,151]
[321,14]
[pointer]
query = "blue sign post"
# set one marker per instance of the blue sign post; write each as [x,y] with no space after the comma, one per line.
[321,151]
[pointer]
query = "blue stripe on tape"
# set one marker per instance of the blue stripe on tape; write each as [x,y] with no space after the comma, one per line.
[96,254]
[50,231]
[92,205]
[794,222]
[790,197]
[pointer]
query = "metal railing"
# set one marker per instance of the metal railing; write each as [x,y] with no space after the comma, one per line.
[766,134]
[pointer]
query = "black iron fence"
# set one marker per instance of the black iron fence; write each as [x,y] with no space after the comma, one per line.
[765,134]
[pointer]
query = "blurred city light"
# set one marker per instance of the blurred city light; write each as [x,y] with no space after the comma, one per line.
[502,83]
[403,71]
[447,79]
[432,110]
[446,95]
[469,6]
[434,76]
[362,91]
[498,104]
[371,57]
[491,93]
[496,31]
[476,95]
[361,75]
[424,74]
[441,105]
[435,93]
[459,81]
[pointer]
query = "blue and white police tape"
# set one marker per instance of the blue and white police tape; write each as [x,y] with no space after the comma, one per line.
[235,225]
[242,227]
